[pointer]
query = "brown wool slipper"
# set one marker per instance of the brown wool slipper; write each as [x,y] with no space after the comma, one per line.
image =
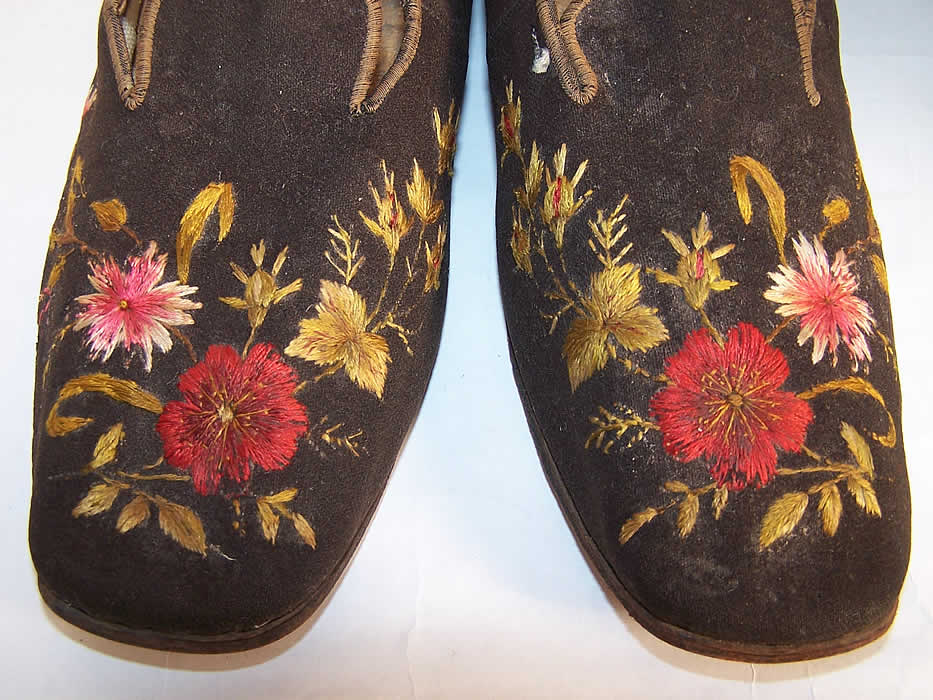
[240,310]
[698,315]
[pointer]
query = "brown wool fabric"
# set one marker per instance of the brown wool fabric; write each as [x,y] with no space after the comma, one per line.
[253,97]
[688,92]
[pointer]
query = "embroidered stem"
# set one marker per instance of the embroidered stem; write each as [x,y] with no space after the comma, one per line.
[630,366]
[777,330]
[408,279]
[184,341]
[154,477]
[717,336]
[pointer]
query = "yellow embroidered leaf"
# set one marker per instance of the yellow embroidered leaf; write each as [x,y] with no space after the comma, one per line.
[859,449]
[857,385]
[105,451]
[782,517]
[830,508]
[836,212]
[676,487]
[235,302]
[305,530]
[135,513]
[864,494]
[881,271]
[720,499]
[676,242]
[337,337]
[216,195]
[98,500]
[743,167]
[111,215]
[634,524]
[182,525]
[282,496]
[225,211]
[56,272]
[585,350]
[122,390]
[268,519]
[687,514]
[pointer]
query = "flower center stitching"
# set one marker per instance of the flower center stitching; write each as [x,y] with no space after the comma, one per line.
[124,304]
[225,413]
[735,398]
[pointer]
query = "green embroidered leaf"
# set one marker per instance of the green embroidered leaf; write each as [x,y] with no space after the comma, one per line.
[676,487]
[782,517]
[859,449]
[830,508]
[134,513]
[98,500]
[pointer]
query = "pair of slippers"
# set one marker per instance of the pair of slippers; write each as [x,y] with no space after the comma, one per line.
[246,281]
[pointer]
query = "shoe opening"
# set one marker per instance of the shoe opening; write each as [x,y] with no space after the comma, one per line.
[393,29]
[130,26]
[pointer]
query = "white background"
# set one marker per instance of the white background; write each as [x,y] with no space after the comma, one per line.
[469,583]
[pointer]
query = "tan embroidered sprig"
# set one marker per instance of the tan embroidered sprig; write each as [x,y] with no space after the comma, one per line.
[261,290]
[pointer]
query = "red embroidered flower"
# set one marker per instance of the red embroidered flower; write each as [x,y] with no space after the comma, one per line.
[236,413]
[725,404]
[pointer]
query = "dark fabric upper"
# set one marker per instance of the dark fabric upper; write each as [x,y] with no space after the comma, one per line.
[685,87]
[254,95]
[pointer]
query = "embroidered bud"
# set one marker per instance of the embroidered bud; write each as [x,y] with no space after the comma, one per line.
[421,196]
[521,244]
[392,223]
[446,134]
[698,273]
[260,289]
[111,215]
[560,202]
[510,124]
[534,173]
[434,258]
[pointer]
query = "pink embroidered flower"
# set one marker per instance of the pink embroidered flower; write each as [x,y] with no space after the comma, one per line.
[130,308]
[823,298]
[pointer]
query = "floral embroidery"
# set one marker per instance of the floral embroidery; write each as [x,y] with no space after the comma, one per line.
[721,400]
[337,337]
[823,298]
[132,308]
[724,405]
[236,414]
[261,291]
